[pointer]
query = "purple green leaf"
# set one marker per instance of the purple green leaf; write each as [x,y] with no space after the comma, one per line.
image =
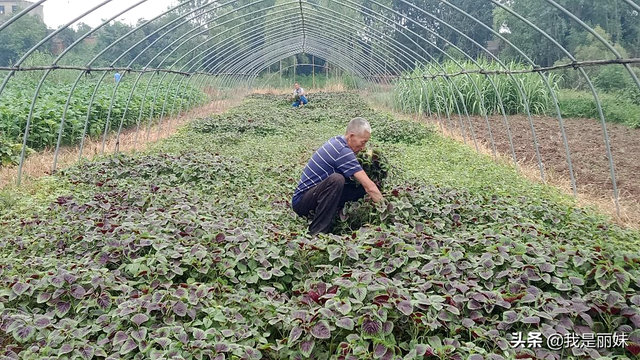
[163,342]
[306,347]
[405,307]
[379,350]
[359,293]
[321,330]
[104,301]
[371,327]
[62,308]
[509,317]
[387,327]
[23,334]
[41,322]
[86,352]
[128,346]
[180,309]
[65,349]
[345,323]
[531,320]
[139,319]
[19,288]
[78,292]
[120,337]
[295,334]
[139,335]
[43,297]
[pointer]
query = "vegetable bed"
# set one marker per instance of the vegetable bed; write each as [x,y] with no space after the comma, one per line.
[191,251]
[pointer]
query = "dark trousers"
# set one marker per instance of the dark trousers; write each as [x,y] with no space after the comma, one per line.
[325,199]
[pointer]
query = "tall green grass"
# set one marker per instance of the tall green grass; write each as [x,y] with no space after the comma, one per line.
[454,94]
[616,108]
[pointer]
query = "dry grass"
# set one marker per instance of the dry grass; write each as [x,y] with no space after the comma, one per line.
[131,140]
[629,208]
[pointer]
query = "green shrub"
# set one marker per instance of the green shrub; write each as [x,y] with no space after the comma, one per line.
[618,109]
[10,151]
[388,129]
[612,78]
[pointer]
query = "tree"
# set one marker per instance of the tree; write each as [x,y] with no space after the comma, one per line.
[618,20]
[19,37]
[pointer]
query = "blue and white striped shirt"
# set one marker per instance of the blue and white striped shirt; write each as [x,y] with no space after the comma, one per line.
[335,156]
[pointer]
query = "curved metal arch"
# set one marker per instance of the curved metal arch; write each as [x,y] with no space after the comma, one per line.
[396,23]
[606,137]
[167,56]
[525,99]
[295,48]
[239,51]
[247,65]
[595,93]
[400,52]
[108,48]
[447,110]
[227,50]
[589,82]
[178,47]
[156,93]
[597,36]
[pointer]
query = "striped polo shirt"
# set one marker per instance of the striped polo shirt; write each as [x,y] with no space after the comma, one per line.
[333,157]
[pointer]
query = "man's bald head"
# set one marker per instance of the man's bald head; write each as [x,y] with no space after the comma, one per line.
[358,134]
[358,126]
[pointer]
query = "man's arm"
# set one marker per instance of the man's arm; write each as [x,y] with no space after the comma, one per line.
[369,186]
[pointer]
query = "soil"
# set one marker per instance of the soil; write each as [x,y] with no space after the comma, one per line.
[588,153]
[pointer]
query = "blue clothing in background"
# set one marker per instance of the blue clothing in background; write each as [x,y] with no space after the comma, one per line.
[303,100]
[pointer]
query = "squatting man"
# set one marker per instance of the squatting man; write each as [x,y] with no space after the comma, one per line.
[325,186]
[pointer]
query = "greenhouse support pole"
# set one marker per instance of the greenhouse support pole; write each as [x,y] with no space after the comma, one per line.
[313,71]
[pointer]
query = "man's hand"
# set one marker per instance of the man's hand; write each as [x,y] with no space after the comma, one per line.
[369,186]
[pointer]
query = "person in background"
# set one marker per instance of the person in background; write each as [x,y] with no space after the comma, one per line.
[117,77]
[299,96]
[322,188]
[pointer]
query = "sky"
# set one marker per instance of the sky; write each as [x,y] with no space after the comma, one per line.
[59,12]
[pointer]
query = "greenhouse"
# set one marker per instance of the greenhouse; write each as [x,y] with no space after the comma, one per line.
[152,168]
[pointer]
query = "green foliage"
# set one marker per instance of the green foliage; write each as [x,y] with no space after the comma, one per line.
[375,165]
[612,78]
[10,151]
[606,78]
[452,95]
[19,37]
[53,96]
[618,21]
[616,109]
[192,250]
[352,82]
[388,129]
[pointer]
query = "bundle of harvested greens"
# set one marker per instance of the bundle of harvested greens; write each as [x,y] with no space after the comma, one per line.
[375,165]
